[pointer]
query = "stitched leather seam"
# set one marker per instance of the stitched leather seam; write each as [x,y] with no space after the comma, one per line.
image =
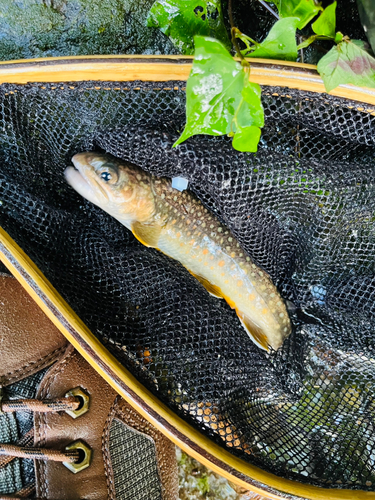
[32,363]
[39,469]
[32,366]
[39,464]
[106,453]
[140,426]
[43,468]
[59,368]
[42,428]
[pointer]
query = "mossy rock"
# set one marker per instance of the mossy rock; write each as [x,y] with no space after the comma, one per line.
[37,28]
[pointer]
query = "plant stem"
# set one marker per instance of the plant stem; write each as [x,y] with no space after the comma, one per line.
[269,8]
[230,13]
[243,37]
[235,43]
[246,39]
[233,31]
[300,48]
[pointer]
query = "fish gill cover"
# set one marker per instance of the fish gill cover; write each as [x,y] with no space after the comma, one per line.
[302,207]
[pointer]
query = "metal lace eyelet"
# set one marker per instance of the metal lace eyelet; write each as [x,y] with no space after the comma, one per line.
[80,393]
[84,462]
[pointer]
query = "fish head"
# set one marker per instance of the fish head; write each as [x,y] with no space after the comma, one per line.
[118,187]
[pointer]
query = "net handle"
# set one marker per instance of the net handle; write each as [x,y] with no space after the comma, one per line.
[166,68]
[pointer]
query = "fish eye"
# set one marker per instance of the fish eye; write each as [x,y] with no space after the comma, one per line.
[108,175]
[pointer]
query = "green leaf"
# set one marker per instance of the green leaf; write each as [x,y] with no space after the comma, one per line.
[246,139]
[307,42]
[251,94]
[280,42]
[305,10]
[347,62]
[339,36]
[219,97]
[180,20]
[325,25]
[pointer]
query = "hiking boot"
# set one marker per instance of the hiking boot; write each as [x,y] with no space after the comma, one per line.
[64,432]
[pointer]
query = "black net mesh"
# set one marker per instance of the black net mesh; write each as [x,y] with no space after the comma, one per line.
[303,207]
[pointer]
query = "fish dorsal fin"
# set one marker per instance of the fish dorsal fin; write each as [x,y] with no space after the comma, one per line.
[212,289]
[147,234]
[255,332]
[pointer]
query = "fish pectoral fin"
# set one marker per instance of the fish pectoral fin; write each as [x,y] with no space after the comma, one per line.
[255,332]
[212,289]
[147,234]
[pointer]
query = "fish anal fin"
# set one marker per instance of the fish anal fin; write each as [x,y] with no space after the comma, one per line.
[212,289]
[230,302]
[255,332]
[147,234]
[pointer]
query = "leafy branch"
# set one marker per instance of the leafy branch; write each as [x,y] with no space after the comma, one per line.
[220,99]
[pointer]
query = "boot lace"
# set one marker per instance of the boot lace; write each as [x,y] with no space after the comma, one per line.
[23,448]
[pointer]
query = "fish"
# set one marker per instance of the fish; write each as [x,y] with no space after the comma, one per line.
[177,224]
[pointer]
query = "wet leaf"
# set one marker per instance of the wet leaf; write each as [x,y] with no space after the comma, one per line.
[251,94]
[246,139]
[347,62]
[219,97]
[305,10]
[339,36]
[325,25]
[182,20]
[280,42]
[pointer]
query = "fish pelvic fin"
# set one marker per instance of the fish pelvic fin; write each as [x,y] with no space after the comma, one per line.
[254,331]
[147,234]
[212,289]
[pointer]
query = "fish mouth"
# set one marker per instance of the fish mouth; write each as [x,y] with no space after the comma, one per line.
[76,178]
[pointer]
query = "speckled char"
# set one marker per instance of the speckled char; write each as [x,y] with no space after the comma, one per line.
[177,224]
[210,252]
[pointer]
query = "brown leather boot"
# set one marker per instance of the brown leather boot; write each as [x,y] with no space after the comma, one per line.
[64,432]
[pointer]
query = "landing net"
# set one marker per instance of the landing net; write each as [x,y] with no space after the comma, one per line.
[303,208]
